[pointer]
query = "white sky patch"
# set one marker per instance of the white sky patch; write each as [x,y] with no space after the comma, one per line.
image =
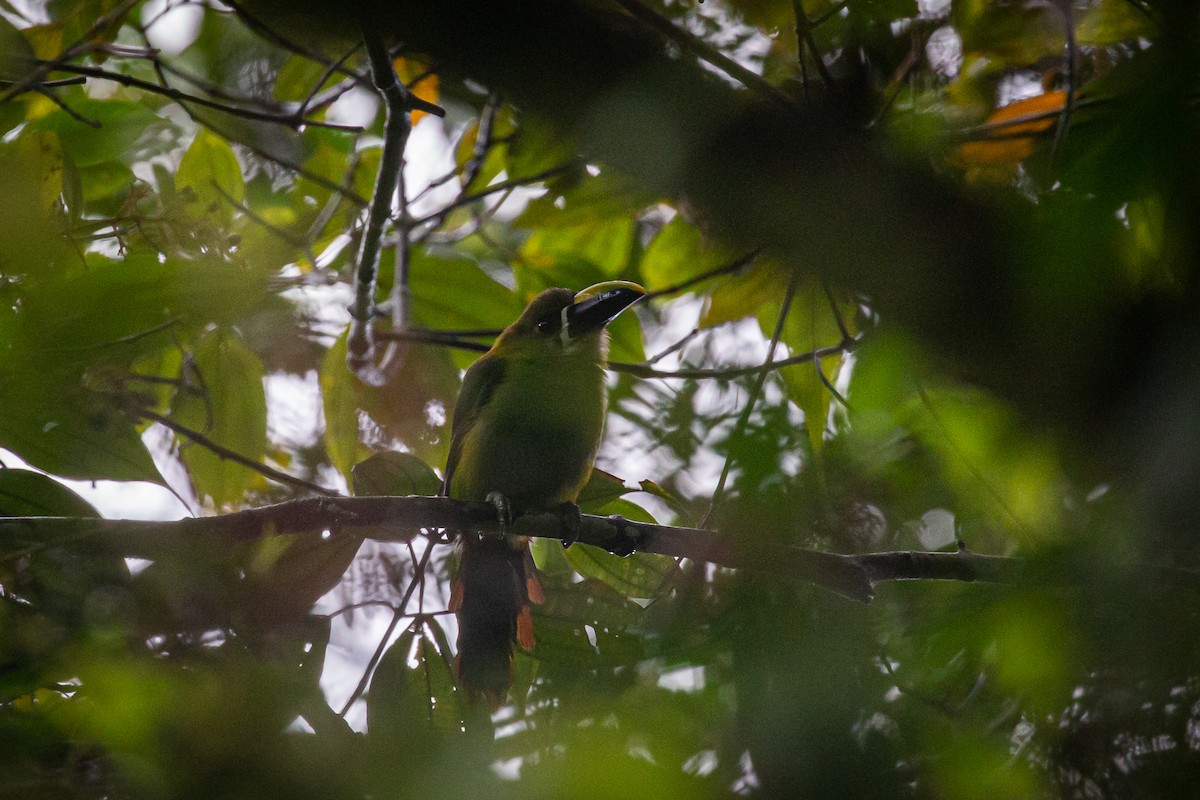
[350,650]
[936,529]
[172,30]
[294,409]
[944,51]
[356,107]
[428,157]
[685,679]
[116,499]
[932,9]
[328,307]
[1019,86]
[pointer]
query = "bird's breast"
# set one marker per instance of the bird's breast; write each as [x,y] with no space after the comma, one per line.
[536,441]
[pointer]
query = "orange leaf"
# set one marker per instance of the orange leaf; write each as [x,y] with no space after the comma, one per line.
[420,80]
[1007,124]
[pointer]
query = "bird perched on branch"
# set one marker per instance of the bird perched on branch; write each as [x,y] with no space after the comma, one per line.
[524,437]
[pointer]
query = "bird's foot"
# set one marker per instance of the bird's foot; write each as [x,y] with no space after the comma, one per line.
[626,539]
[504,511]
[570,520]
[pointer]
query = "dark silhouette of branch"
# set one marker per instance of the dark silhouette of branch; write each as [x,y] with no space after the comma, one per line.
[436,218]
[80,46]
[806,40]
[52,84]
[231,455]
[459,341]
[399,102]
[703,51]
[755,390]
[736,265]
[402,518]
[292,120]
[640,370]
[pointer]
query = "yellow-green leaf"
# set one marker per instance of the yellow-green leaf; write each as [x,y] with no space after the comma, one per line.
[231,410]
[211,170]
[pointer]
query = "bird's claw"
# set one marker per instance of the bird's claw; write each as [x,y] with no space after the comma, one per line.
[504,512]
[626,540]
[570,520]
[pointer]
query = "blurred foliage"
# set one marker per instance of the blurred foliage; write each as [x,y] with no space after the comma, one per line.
[976,245]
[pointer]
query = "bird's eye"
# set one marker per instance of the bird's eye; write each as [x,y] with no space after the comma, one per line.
[545,326]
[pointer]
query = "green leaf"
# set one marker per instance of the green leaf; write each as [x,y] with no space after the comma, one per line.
[212,172]
[579,199]
[298,78]
[610,245]
[124,127]
[601,488]
[745,295]
[16,54]
[538,147]
[677,253]
[574,614]
[452,292]
[32,166]
[289,573]
[414,701]
[810,325]
[231,411]
[411,408]
[24,493]
[625,339]
[395,474]
[1111,22]
[638,575]
[71,432]
[340,402]
[104,185]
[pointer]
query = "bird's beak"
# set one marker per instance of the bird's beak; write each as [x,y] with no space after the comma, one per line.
[598,305]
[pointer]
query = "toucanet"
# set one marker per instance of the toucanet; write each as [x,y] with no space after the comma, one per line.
[525,433]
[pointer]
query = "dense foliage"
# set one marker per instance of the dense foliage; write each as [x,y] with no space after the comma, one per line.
[969,229]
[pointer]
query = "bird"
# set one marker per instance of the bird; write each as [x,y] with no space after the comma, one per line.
[524,436]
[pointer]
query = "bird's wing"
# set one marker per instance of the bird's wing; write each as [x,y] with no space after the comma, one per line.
[479,386]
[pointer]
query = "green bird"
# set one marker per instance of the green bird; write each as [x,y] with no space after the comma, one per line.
[525,433]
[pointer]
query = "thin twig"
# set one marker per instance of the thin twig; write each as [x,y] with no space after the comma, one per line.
[755,390]
[52,84]
[72,113]
[231,455]
[805,39]
[364,681]
[704,51]
[675,347]
[436,218]
[643,370]
[76,49]
[270,34]
[1069,77]
[736,265]
[294,120]
[389,182]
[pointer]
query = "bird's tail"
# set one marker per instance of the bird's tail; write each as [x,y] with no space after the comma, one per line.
[491,595]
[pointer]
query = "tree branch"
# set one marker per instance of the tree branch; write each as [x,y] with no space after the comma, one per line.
[398,103]
[231,455]
[402,518]
[705,52]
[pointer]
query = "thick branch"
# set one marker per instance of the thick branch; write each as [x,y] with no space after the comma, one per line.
[401,518]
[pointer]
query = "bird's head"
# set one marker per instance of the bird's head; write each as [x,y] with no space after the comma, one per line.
[562,321]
